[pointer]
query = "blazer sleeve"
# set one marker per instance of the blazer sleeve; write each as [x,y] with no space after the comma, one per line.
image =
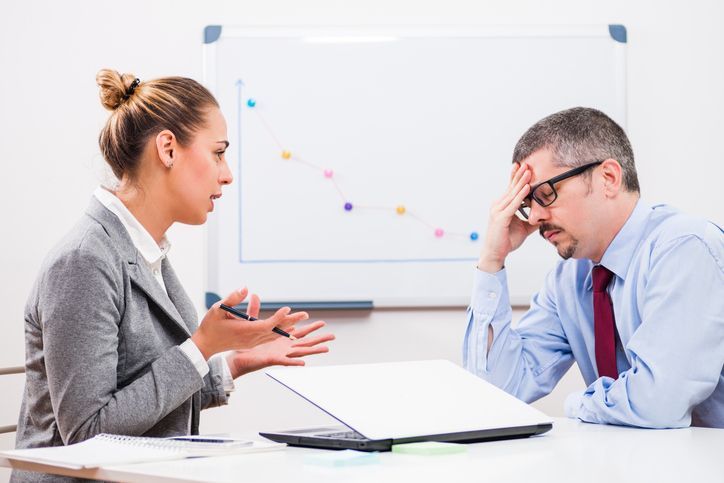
[213,393]
[80,307]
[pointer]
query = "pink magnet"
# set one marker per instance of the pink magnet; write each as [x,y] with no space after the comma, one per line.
[439,232]
[328,173]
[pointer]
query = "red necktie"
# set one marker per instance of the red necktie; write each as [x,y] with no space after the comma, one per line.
[604,326]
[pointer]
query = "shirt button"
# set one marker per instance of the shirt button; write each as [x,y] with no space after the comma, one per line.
[492,295]
[155,271]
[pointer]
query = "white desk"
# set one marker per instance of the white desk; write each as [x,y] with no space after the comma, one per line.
[571,451]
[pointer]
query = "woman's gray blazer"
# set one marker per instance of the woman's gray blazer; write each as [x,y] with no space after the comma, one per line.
[101,340]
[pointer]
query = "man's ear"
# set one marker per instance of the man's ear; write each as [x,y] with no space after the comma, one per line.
[612,177]
[166,147]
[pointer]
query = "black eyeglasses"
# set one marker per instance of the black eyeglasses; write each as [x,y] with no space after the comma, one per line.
[545,193]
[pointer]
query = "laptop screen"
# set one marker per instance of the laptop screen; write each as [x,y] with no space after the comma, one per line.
[408,399]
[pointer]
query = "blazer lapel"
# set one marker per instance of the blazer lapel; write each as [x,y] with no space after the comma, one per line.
[178,296]
[142,277]
[138,271]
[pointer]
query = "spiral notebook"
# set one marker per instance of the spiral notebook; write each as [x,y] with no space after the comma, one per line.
[112,449]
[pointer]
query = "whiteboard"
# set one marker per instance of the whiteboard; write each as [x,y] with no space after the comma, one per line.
[365,161]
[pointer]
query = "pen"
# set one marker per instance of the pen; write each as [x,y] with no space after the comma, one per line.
[201,439]
[245,316]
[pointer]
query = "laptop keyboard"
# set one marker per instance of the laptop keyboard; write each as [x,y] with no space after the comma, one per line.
[342,435]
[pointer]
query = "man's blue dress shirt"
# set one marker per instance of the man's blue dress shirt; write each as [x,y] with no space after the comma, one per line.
[668,302]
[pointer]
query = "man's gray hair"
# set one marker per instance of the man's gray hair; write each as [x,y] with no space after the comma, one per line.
[579,136]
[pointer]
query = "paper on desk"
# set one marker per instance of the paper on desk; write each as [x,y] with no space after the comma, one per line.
[110,450]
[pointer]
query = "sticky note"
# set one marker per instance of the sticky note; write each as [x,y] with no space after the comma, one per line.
[347,457]
[429,448]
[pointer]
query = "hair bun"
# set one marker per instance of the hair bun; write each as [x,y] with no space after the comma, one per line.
[114,87]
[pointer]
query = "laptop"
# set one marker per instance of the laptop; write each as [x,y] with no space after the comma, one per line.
[383,404]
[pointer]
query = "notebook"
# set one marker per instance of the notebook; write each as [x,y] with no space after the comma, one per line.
[383,404]
[112,449]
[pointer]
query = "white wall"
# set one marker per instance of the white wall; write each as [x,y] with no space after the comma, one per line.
[50,118]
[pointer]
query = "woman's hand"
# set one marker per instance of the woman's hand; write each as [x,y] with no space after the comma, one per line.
[220,331]
[281,351]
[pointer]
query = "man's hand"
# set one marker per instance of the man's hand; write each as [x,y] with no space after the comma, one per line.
[506,232]
[281,351]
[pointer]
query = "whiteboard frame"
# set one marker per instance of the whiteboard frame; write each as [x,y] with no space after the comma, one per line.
[213,33]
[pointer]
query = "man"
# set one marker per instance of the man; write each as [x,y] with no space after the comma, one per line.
[637,301]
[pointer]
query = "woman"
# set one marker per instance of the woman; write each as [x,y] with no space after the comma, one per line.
[112,341]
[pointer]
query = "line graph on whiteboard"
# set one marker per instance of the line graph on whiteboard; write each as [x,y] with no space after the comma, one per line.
[328,218]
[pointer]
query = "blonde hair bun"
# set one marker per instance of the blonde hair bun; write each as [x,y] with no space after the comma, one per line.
[113,87]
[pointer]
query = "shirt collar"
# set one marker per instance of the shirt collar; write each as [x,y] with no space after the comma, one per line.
[617,256]
[143,241]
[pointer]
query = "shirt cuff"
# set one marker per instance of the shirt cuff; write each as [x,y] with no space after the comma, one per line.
[572,405]
[194,354]
[487,291]
[489,297]
[226,378]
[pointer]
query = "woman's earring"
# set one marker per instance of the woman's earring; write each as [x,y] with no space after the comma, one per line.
[170,165]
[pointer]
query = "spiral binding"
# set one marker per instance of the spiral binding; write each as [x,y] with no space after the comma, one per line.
[145,442]
[172,445]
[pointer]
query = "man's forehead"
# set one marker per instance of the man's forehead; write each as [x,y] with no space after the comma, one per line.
[541,165]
